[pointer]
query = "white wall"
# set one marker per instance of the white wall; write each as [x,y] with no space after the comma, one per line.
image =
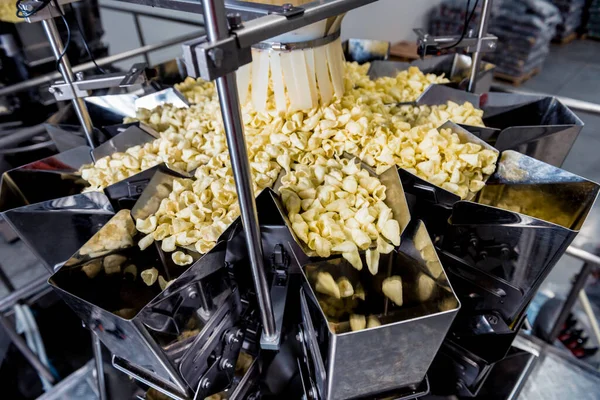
[391,20]
[120,33]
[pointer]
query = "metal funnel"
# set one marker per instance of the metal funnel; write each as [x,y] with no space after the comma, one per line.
[537,126]
[455,67]
[42,180]
[54,229]
[395,200]
[396,354]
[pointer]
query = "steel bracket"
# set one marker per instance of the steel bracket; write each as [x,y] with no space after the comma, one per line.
[211,60]
[432,44]
[61,90]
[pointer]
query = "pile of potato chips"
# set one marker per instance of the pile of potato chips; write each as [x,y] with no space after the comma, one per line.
[334,206]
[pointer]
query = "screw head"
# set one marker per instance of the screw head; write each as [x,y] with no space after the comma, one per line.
[52,90]
[287,7]
[234,20]
[204,383]
[79,76]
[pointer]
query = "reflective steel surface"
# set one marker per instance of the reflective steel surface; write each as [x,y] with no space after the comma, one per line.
[517,228]
[397,353]
[55,229]
[132,136]
[166,96]
[45,179]
[151,328]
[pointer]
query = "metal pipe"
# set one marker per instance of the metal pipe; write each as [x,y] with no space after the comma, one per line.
[25,350]
[483,24]
[587,307]
[573,104]
[49,78]
[583,255]
[150,15]
[567,306]
[100,381]
[215,22]
[31,288]
[68,76]
[140,35]
[21,135]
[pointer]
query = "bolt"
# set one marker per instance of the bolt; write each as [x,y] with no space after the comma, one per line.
[287,7]
[225,364]
[204,383]
[235,20]
[299,337]
[216,55]
[231,338]
[52,89]
[79,76]
[312,393]
[492,45]
[493,319]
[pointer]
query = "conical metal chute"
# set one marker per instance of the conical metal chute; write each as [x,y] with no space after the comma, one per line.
[384,358]
[455,67]
[497,249]
[46,179]
[538,126]
[69,221]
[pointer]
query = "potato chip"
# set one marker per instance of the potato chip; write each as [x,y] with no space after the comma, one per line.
[180,258]
[372,257]
[373,321]
[92,268]
[112,263]
[149,276]
[392,289]
[357,322]
[131,269]
[346,289]
[326,284]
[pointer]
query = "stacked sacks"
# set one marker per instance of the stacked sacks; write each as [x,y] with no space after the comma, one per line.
[571,12]
[524,30]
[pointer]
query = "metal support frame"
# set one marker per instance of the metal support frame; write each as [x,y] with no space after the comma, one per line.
[483,43]
[97,347]
[482,32]
[216,28]
[82,86]
[68,76]
[140,35]
[48,78]
[211,59]
[578,292]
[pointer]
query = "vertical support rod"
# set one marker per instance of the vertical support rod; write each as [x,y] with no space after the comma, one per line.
[577,286]
[587,307]
[483,24]
[215,22]
[67,74]
[29,355]
[140,35]
[100,381]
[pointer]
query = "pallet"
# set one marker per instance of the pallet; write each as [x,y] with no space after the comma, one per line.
[566,40]
[587,36]
[517,80]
